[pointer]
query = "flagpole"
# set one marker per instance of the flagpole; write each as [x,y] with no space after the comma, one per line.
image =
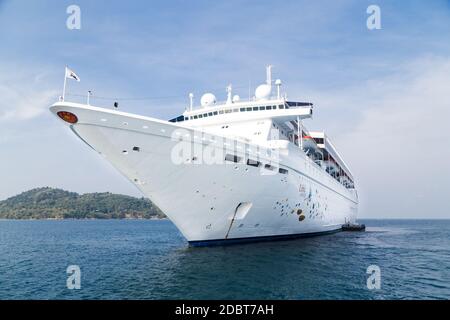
[64,87]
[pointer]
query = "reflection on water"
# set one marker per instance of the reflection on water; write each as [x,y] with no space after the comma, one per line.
[150,260]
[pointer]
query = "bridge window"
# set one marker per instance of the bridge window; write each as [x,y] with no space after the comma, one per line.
[262,108]
[249,109]
[283,171]
[268,107]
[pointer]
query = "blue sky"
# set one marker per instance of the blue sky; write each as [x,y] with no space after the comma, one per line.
[382,95]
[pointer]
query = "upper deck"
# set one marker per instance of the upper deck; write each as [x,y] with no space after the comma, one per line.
[265,117]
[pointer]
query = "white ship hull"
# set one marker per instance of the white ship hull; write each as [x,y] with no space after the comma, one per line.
[216,202]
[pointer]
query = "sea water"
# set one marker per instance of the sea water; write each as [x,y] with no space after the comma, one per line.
[149,259]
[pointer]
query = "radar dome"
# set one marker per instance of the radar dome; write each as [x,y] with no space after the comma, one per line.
[263,91]
[236,98]
[208,99]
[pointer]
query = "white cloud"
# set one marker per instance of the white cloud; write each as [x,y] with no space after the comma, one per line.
[398,144]
[24,95]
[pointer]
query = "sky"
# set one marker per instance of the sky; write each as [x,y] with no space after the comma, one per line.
[382,96]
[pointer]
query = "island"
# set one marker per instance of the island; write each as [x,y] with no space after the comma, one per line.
[52,203]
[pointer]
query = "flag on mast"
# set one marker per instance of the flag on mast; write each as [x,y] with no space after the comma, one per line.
[72,75]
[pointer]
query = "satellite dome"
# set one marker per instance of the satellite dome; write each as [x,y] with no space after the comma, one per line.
[208,99]
[263,92]
[236,98]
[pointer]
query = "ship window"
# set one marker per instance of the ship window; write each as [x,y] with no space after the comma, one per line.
[281,106]
[242,109]
[200,116]
[283,171]
[215,113]
[268,107]
[269,167]
[220,111]
[319,140]
[274,107]
[232,158]
[262,108]
[210,114]
[137,149]
[249,109]
[186,118]
[227,111]
[236,110]
[253,163]
[195,117]
[255,108]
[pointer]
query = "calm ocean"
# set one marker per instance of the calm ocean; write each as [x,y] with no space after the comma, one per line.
[134,259]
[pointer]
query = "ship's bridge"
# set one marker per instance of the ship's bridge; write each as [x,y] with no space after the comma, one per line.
[277,109]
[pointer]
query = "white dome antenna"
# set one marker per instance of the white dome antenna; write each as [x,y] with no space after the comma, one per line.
[278,84]
[208,99]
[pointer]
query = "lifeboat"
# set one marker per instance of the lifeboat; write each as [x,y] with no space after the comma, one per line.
[309,145]
[331,166]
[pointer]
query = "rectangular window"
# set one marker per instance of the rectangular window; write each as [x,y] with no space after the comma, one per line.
[253,163]
[262,108]
[232,158]
[283,171]
[210,114]
[227,111]
[268,107]
[220,111]
[269,167]
[205,115]
[274,107]
[235,110]
[281,106]
[255,108]
[200,116]
[249,109]
[242,109]
[215,113]
[195,117]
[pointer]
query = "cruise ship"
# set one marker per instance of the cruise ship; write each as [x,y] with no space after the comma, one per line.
[241,170]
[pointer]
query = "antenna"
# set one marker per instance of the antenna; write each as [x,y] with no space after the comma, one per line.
[269,75]
[229,90]
[89,94]
[191,101]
